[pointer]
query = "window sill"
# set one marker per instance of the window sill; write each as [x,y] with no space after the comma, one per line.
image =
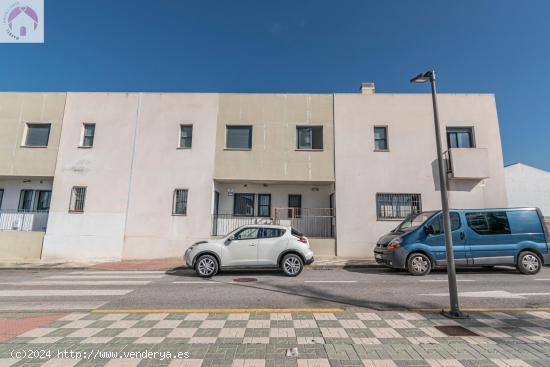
[178,215]
[75,212]
[85,147]
[184,148]
[309,150]
[381,150]
[238,149]
[33,146]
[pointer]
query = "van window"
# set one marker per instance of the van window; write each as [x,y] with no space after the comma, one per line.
[524,221]
[438,223]
[488,223]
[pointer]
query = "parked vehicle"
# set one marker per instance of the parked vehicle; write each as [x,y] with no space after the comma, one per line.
[252,246]
[481,237]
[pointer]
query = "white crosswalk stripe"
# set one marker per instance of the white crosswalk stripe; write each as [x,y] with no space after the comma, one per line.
[71,291]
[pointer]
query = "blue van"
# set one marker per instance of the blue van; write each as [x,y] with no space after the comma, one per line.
[481,237]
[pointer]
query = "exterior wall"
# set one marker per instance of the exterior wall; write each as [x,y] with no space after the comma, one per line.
[159,167]
[279,194]
[528,186]
[20,245]
[410,165]
[274,118]
[98,233]
[13,186]
[17,109]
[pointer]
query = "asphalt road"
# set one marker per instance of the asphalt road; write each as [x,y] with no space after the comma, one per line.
[377,288]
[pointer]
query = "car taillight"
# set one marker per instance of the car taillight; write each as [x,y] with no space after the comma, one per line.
[302,239]
[393,246]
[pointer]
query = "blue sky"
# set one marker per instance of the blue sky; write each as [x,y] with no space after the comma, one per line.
[479,46]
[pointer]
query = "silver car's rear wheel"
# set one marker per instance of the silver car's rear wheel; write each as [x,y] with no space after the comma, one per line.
[206,266]
[292,265]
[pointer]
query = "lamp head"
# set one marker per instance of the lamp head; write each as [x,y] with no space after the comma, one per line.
[425,77]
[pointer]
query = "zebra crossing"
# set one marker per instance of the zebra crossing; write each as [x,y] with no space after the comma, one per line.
[70,291]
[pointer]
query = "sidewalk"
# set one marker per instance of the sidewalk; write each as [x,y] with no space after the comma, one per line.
[165,264]
[353,337]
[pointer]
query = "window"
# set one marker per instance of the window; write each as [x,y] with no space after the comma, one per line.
[243,205]
[26,198]
[460,137]
[488,223]
[380,138]
[437,223]
[1,197]
[43,198]
[238,137]
[247,234]
[186,136]
[78,196]
[309,137]
[397,206]
[272,232]
[37,135]
[179,206]
[295,205]
[88,135]
[264,205]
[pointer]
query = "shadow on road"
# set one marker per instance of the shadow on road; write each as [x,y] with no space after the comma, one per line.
[500,270]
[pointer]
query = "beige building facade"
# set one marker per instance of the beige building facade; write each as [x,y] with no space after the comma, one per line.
[145,175]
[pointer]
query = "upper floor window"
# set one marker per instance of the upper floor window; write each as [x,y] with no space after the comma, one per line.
[380,138]
[460,137]
[37,135]
[179,206]
[78,197]
[238,137]
[186,136]
[88,133]
[310,137]
[397,206]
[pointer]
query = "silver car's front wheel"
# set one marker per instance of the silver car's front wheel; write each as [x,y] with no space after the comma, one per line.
[206,266]
[292,265]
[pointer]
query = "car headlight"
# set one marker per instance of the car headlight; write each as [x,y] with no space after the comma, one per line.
[395,243]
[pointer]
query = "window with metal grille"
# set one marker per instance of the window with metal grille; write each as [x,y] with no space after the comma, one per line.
[460,137]
[295,206]
[397,206]
[243,205]
[78,197]
[310,137]
[179,206]
[88,134]
[37,135]
[186,136]
[264,205]
[238,137]
[380,138]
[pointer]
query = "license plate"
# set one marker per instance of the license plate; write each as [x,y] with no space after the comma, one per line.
[377,256]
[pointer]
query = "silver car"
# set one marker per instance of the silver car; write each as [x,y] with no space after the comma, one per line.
[252,246]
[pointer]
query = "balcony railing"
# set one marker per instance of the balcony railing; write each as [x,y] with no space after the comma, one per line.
[20,220]
[312,222]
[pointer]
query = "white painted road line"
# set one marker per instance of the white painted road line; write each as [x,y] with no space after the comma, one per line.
[64,292]
[79,282]
[544,279]
[49,306]
[199,282]
[445,280]
[85,277]
[330,281]
[121,272]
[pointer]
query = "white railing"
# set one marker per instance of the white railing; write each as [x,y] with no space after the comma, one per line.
[18,220]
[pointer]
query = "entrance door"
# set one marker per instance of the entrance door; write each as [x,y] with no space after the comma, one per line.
[215,213]
[437,240]
[243,249]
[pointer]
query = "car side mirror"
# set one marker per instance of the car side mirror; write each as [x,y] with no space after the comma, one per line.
[429,229]
[229,239]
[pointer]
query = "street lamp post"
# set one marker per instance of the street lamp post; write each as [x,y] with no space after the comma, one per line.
[454,312]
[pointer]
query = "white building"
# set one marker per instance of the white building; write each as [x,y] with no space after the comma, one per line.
[528,186]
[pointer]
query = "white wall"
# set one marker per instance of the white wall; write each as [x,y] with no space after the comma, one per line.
[13,186]
[410,164]
[160,167]
[528,186]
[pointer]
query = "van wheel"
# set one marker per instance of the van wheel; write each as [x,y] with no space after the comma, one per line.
[528,263]
[292,265]
[206,266]
[419,264]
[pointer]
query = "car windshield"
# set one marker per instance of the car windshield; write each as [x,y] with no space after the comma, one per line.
[413,221]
